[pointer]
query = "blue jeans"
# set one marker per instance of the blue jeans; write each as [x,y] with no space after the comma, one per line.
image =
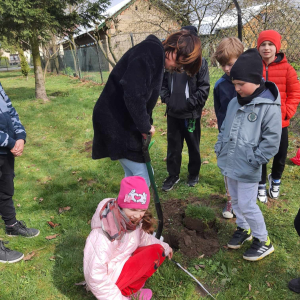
[132,168]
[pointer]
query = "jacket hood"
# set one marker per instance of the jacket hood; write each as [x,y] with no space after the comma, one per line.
[96,222]
[154,39]
[226,77]
[270,96]
[280,58]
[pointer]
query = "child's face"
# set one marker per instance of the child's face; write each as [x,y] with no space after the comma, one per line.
[134,215]
[227,67]
[171,63]
[267,51]
[243,88]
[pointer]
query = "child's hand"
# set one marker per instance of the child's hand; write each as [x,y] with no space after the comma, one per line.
[170,254]
[17,150]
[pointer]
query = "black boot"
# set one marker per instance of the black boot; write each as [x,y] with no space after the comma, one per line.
[20,229]
[9,256]
[294,285]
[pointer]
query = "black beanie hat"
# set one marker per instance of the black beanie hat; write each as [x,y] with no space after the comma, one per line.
[191,29]
[248,67]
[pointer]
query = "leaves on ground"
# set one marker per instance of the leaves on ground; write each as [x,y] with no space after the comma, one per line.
[29,256]
[51,237]
[63,209]
[52,225]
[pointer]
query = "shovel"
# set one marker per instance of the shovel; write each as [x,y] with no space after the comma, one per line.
[146,146]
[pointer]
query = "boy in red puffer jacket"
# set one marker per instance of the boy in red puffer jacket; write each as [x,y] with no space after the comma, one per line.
[278,70]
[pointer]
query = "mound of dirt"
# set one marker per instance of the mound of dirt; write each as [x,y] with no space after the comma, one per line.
[192,237]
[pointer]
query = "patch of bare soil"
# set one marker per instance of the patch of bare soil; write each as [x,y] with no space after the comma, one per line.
[193,237]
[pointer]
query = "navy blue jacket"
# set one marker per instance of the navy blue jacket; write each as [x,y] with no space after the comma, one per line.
[224,91]
[11,128]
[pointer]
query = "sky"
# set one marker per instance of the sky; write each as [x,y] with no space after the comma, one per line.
[114,2]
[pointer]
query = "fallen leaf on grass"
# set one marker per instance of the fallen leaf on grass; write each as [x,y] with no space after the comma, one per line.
[29,256]
[164,133]
[34,198]
[51,237]
[62,209]
[268,284]
[53,225]
[89,221]
[205,162]
[79,179]
[165,159]
[197,267]
[250,287]
[201,256]
[18,205]
[52,258]
[41,199]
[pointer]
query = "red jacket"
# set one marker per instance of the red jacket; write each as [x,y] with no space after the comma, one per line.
[285,77]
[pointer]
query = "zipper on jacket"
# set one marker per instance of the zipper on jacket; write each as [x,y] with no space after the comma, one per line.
[267,67]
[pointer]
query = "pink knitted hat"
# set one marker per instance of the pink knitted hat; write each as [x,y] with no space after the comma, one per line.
[134,193]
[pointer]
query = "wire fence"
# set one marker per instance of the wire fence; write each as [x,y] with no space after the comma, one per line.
[94,60]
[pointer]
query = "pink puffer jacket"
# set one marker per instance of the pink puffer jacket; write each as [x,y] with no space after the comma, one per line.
[104,260]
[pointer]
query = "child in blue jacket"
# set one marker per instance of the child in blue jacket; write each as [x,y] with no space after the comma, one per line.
[12,139]
[249,137]
[227,52]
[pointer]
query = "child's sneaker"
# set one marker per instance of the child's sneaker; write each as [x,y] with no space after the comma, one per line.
[262,193]
[274,186]
[169,183]
[239,237]
[258,250]
[19,228]
[227,211]
[9,256]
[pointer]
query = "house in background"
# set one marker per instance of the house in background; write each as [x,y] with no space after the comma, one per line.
[254,20]
[126,24]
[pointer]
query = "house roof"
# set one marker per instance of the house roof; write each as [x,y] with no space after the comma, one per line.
[212,24]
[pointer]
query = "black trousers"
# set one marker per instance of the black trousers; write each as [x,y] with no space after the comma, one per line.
[177,133]
[7,174]
[297,223]
[279,158]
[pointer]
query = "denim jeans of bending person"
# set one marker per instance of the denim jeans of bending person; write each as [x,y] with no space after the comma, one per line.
[248,214]
[132,168]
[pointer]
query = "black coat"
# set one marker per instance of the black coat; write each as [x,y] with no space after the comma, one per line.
[123,110]
[198,93]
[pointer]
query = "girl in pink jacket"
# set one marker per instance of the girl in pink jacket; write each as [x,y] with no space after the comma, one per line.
[120,253]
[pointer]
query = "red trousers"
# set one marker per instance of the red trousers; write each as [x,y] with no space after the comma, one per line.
[139,267]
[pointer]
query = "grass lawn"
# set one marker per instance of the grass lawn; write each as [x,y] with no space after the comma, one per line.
[56,171]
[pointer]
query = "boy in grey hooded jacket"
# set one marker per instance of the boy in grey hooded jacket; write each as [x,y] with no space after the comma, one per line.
[249,137]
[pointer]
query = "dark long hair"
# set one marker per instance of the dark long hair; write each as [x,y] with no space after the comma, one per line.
[188,50]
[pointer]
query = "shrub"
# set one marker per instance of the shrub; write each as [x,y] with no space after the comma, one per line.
[25,69]
[200,212]
[68,71]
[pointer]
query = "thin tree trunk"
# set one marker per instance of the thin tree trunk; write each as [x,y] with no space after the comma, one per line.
[40,90]
[110,47]
[105,55]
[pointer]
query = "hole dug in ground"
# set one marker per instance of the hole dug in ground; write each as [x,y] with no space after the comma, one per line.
[185,231]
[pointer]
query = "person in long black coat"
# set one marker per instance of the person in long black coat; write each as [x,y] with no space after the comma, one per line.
[122,114]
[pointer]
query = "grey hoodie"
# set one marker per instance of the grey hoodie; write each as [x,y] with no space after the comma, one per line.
[250,136]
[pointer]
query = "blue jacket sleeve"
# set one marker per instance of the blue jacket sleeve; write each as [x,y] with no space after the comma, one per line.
[5,139]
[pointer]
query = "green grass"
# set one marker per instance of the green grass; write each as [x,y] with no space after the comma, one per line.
[200,212]
[56,168]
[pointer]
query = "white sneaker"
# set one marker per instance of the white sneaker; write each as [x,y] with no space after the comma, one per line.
[274,187]
[262,193]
